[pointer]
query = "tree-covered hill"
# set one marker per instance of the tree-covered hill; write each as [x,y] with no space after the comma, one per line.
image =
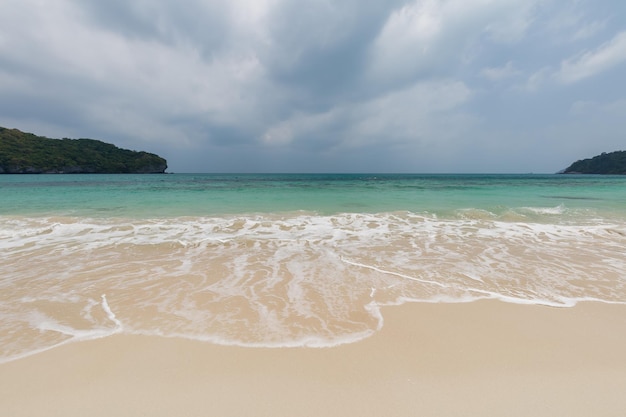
[25,153]
[613,163]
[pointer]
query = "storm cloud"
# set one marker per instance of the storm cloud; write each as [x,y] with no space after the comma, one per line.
[315,85]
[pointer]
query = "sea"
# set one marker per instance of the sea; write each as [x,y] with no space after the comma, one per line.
[292,260]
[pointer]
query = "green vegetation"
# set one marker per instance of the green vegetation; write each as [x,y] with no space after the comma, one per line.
[25,153]
[613,163]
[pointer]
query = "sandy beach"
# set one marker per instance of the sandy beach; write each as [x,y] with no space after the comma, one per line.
[485,358]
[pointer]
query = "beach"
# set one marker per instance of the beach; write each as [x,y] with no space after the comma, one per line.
[484,358]
[312,295]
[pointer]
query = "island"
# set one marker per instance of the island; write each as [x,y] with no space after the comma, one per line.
[612,163]
[26,153]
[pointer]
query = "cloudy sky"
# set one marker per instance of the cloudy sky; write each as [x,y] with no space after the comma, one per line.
[322,85]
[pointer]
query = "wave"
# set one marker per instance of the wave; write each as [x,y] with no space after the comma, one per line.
[298,279]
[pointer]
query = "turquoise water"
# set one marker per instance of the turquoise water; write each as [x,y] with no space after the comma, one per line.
[292,260]
[211,194]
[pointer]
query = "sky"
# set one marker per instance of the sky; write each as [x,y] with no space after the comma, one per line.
[424,86]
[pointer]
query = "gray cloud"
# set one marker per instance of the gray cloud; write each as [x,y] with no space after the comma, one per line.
[313,85]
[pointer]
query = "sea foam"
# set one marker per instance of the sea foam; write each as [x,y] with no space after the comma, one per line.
[294,279]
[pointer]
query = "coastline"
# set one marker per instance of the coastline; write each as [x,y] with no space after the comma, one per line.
[482,358]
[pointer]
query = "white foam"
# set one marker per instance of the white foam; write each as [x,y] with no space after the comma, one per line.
[203,277]
[110,315]
[397,274]
[560,209]
[309,341]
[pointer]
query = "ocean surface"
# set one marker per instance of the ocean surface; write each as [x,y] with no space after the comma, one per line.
[292,260]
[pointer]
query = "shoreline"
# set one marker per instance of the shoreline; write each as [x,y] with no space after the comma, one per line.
[481,358]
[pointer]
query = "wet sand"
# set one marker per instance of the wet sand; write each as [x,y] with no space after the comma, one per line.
[485,358]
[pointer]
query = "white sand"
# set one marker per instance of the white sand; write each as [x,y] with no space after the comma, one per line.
[479,359]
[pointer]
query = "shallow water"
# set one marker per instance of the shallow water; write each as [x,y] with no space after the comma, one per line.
[292,260]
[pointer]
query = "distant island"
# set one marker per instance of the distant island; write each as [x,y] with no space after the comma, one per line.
[613,163]
[26,153]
